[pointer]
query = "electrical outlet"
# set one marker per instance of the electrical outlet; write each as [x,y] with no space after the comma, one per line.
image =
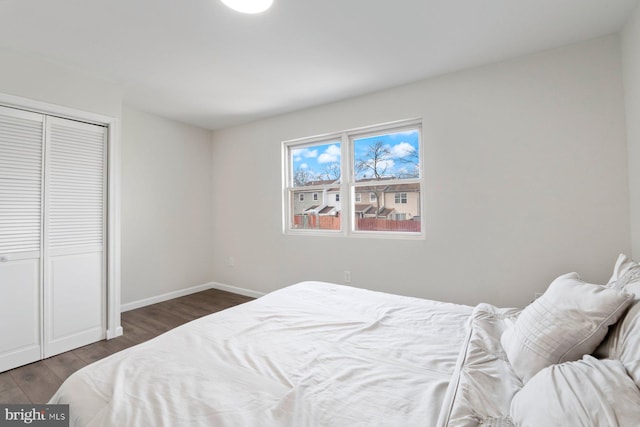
[347,276]
[231,261]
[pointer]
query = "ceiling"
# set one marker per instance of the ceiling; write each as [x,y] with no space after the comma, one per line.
[201,63]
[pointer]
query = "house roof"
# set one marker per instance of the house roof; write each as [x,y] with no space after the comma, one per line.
[320,182]
[326,209]
[409,187]
[364,208]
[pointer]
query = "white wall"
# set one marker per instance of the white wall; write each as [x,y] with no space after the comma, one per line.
[166,206]
[526,179]
[38,79]
[631,72]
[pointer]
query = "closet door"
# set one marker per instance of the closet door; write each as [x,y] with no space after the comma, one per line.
[74,235]
[21,141]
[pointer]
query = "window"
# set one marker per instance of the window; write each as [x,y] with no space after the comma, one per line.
[401,198]
[383,161]
[312,168]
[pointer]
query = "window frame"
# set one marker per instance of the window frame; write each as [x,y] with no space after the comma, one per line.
[348,185]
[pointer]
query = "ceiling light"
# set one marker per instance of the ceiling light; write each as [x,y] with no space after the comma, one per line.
[248,6]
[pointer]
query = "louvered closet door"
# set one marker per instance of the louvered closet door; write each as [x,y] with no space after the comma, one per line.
[20,228]
[74,237]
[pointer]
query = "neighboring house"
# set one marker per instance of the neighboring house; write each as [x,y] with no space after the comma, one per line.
[397,201]
[304,200]
[317,201]
[333,198]
[404,199]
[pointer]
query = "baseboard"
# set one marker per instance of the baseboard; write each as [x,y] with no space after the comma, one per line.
[188,291]
[237,290]
[118,332]
[165,297]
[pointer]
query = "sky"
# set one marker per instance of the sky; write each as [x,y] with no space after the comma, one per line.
[399,158]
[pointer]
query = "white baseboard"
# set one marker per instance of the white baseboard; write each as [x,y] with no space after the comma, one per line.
[118,332]
[165,297]
[237,290]
[188,291]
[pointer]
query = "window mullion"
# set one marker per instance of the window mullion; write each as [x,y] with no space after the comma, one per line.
[345,187]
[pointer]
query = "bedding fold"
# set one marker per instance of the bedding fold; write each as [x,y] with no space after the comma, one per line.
[487,382]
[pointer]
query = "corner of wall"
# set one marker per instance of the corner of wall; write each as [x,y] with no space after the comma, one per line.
[630,42]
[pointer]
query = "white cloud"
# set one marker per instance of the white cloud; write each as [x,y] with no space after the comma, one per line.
[304,166]
[330,155]
[382,167]
[385,165]
[402,149]
[305,152]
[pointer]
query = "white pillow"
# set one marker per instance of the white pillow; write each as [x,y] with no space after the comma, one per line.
[568,321]
[623,340]
[588,392]
[625,271]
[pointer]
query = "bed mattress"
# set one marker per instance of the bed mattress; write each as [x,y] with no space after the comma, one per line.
[311,354]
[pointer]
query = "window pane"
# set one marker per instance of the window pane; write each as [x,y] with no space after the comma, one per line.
[387,156]
[316,164]
[386,211]
[321,214]
[401,198]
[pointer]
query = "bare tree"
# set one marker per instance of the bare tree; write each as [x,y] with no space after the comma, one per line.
[331,172]
[301,177]
[412,161]
[375,161]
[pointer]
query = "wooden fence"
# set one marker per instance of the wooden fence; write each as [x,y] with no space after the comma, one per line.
[375,224]
[326,222]
[321,222]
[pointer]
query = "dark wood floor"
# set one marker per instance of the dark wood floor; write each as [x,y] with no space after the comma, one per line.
[37,382]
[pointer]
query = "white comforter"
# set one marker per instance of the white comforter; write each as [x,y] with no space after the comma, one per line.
[312,354]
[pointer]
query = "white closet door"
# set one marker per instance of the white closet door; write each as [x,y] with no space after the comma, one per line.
[20,244]
[74,235]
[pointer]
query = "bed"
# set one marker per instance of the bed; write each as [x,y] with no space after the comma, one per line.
[322,354]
